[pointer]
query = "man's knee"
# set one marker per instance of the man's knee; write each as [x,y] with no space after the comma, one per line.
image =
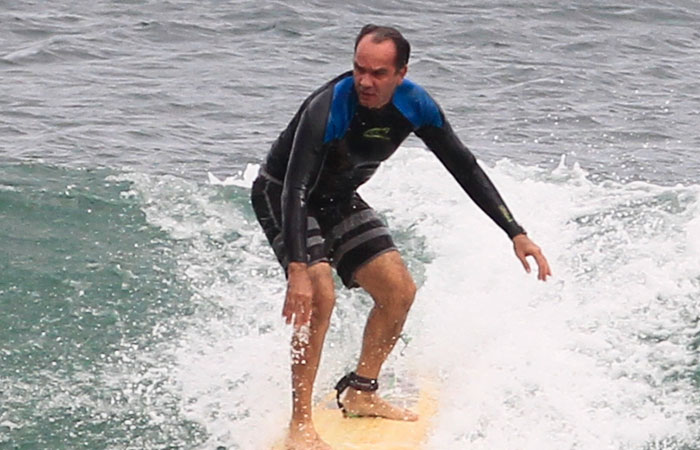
[323,304]
[405,294]
[389,282]
[398,298]
[324,293]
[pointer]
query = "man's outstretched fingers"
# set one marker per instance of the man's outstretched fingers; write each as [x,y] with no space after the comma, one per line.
[297,304]
[302,315]
[524,247]
[523,259]
[287,311]
[544,269]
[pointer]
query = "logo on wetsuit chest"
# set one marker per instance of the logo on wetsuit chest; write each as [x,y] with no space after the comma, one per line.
[377,133]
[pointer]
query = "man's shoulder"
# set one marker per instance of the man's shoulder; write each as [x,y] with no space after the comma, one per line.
[335,91]
[327,99]
[340,84]
[414,102]
[343,86]
[342,106]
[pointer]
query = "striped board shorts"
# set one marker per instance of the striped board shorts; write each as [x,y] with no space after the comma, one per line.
[347,234]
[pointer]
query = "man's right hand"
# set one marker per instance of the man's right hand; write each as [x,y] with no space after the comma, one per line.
[297,304]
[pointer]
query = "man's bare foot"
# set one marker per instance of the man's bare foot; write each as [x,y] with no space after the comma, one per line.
[369,404]
[304,437]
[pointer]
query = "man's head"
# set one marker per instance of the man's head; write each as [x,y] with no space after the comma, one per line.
[380,63]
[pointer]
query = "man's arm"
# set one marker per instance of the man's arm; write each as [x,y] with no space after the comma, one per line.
[305,162]
[462,164]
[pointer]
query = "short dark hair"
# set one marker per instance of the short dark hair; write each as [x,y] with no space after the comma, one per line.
[383,33]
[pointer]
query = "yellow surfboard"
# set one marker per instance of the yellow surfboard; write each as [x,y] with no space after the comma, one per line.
[371,433]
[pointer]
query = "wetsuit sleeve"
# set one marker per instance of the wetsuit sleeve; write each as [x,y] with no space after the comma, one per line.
[462,164]
[305,162]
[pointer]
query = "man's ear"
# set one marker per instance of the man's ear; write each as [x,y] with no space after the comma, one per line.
[403,70]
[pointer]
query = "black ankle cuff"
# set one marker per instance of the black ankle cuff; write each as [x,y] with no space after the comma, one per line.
[354,381]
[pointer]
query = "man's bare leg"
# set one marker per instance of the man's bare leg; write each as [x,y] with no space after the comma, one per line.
[388,281]
[306,354]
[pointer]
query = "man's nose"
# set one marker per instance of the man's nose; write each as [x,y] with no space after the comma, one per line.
[364,81]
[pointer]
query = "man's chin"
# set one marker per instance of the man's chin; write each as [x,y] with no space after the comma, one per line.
[367,102]
[371,102]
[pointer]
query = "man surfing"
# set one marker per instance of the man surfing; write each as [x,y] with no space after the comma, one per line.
[306,200]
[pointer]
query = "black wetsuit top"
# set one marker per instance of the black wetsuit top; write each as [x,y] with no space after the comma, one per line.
[333,145]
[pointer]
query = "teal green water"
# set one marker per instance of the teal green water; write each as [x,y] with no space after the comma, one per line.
[86,286]
[140,305]
[142,311]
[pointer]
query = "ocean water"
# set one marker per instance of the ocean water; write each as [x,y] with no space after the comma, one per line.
[140,305]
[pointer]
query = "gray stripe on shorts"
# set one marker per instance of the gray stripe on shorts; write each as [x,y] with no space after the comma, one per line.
[359,240]
[269,177]
[353,222]
[278,241]
[312,224]
[313,240]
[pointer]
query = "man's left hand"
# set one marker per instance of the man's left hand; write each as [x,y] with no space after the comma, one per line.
[524,247]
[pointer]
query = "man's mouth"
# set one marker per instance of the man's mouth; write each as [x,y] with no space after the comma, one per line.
[367,94]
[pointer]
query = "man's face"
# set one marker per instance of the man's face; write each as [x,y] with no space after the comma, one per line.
[375,74]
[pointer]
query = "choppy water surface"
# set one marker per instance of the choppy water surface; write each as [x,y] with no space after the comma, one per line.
[140,303]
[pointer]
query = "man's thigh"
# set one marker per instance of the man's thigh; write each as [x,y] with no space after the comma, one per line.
[354,235]
[321,275]
[387,278]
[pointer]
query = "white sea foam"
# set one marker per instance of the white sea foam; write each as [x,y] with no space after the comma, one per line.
[595,358]
[244,179]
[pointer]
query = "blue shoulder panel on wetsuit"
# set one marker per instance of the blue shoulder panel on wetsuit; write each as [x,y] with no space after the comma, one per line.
[342,109]
[416,105]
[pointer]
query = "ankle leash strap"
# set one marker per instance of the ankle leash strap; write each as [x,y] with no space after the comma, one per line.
[354,381]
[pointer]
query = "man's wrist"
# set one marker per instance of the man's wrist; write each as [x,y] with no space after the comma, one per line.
[296,266]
